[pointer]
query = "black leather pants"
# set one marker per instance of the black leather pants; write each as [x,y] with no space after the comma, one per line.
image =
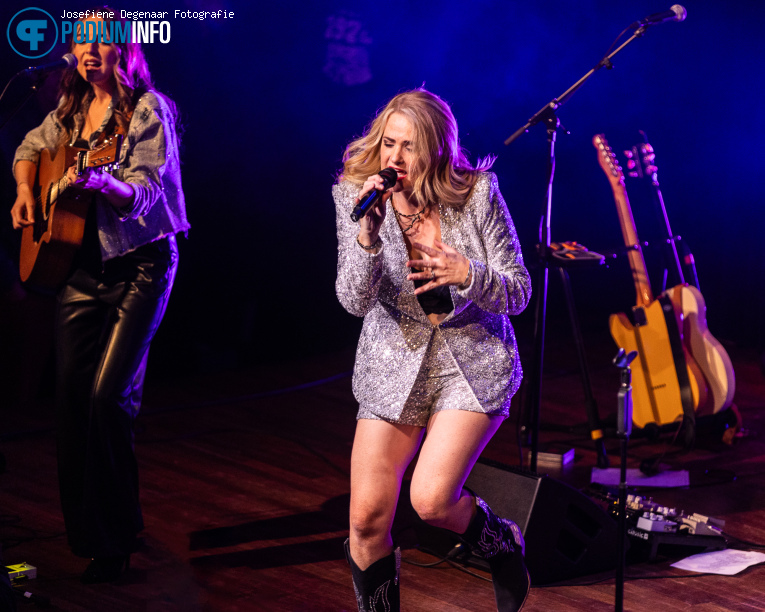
[104,325]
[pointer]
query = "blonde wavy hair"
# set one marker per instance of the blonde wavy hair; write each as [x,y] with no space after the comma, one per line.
[441,171]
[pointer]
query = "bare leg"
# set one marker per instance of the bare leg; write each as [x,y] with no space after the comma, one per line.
[454,441]
[381,453]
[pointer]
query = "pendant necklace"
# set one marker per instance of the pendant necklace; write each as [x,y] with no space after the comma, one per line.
[412,219]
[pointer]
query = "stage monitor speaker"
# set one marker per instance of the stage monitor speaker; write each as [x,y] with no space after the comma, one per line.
[567,533]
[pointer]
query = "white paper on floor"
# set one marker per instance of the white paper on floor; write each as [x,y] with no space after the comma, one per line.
[725,562]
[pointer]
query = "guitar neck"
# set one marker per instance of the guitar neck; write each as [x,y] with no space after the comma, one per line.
[634,250]
[103,158]
[608,163]
[643,162]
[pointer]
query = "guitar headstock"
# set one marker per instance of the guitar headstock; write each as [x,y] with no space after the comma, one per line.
[608,161]
[641,161]
[105,156]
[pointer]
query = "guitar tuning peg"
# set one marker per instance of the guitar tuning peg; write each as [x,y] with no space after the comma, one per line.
[634,174]
[631,164]
[649,157]
[628,154]
[648,148]
[652,169]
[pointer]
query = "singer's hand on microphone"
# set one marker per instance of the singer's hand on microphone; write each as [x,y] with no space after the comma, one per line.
[370,224]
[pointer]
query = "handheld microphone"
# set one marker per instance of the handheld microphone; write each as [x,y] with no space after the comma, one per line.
[675,13]
[389,178]
[68,61]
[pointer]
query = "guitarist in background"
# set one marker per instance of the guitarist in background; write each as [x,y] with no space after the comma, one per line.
[116,292]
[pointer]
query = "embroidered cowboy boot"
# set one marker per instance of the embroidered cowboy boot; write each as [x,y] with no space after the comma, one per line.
[376,587]
[501,543]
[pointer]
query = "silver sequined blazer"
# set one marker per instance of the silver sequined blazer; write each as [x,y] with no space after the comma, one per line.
[396,331]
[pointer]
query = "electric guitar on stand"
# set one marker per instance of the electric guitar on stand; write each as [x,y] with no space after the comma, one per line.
[667,385]
[48,246]
[707,351]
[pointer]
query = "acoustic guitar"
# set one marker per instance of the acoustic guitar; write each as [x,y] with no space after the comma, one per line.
[48,245]
[666,384]
[707,351]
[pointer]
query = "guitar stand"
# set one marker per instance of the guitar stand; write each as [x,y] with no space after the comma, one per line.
[579,258]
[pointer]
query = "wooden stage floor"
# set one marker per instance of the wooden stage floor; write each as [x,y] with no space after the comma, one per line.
[245,485]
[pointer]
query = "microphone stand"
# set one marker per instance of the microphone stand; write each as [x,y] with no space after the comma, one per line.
[623,430]
[32,89]
[548,114]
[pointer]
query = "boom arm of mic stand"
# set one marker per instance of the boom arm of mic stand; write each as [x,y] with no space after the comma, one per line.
[548,114]
[33,88]
[556,103]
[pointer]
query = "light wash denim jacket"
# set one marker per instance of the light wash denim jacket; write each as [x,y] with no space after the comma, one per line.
[149,163]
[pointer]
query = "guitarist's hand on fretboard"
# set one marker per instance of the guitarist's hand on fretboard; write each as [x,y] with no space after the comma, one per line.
[116,192]
[90,179]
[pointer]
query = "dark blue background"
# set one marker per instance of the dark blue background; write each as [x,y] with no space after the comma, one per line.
[267,120]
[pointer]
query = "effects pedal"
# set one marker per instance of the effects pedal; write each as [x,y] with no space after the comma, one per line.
[21,570]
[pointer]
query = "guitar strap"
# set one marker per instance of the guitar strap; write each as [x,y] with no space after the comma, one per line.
[113,128]
[678,357]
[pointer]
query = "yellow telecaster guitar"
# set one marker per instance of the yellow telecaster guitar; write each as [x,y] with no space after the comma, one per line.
[707,351]
[666,384]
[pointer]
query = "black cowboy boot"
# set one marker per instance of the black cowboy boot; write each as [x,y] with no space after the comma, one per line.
[500,542]
[376,587]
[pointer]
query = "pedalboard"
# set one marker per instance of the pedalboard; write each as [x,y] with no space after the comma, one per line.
[653,517]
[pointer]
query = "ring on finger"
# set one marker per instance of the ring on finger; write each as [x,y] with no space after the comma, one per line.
[432,274]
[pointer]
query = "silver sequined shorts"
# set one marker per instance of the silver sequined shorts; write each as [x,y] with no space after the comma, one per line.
[440,385]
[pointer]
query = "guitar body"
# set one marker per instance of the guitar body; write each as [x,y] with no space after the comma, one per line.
[48,246]
[707,352]
[667,383]
[664,386]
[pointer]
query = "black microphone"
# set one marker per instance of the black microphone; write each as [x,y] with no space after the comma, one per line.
[675,13]
[68,61]
[389,177]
